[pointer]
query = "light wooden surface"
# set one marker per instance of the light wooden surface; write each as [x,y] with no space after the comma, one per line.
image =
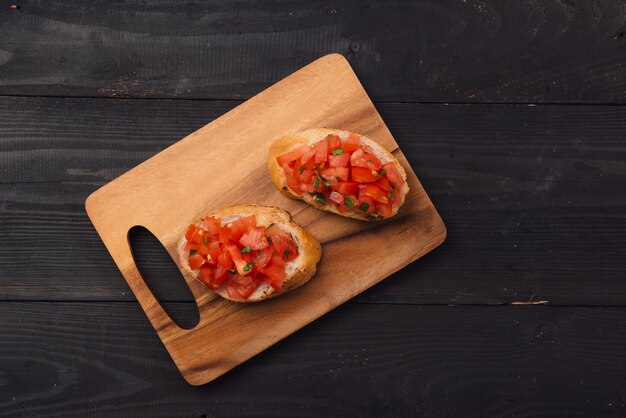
[222,164]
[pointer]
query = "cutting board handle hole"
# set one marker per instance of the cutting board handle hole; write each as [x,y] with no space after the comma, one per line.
[163,277]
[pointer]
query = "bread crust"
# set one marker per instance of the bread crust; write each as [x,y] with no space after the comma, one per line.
[311,136]
[299,271]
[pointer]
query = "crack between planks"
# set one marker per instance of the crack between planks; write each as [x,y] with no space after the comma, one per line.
[241,100]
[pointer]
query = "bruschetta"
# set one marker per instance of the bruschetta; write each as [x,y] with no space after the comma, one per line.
[340,172]
[248,253]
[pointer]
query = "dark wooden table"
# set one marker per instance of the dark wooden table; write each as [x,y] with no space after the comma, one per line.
[512,113]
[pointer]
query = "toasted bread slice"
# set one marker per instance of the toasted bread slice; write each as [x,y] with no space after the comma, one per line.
[311,136]
[298,271]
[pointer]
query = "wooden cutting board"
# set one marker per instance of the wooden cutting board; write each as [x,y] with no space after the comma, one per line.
[224,163]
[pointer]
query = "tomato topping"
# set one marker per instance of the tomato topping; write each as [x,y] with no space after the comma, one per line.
[293,155]
[255,238]
[345,174]
[195,261]
[241,225]
[360,158]
[336,174]
[191,231]
[384,210]
[341,160]
[336,197]
[334,142]
[352,144]
[237,256]
[393,175]
[373,191]
[262,257]
[211,226]
[364,175]
[321,151]
[205,275]
[346,187]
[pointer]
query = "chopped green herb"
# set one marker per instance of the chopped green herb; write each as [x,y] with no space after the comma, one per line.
[246,250]
[192,252]
[370,161]
[302,169]
[349,202]
[338,151]
[319,198]
[393,185]
[374,215]
[392,196]
[364,206]
[326,183]
[317,182]
[287,252]
[248,267]
[206,241]
[232,271]
[382,172]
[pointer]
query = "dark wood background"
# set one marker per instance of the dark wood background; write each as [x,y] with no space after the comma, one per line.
[512,114]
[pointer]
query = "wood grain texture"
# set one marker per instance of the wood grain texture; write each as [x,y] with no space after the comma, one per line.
[533,197]
[202,173]
[102,359]
[434,51]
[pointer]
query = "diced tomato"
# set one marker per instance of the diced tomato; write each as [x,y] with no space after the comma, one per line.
[206,275]
[240,226]
[321,151]
[336,197]
[306,176]
[350,200]
[274,230]
[373,191]
[307,157]
[224,236]
[275,274]
[191,246]
[245,285]
[214,250]
[255,238]
[292,155]
[346,187]
[352,143]
[262,257]
[211,226]
[393,175]
[366,205]
[198,236]
[292,181]
[336,174]
[341,160]
[334,142]
[225,260]
[220,274]
[240,262]
[232,291]
[384,210]
[364,175]
[360,158]
[195,261]
[191,231]
[384,183]
[203,250]
[285,247]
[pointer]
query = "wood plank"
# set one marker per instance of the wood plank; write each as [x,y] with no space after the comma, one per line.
[444,51]
[88,359]
[557,170]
